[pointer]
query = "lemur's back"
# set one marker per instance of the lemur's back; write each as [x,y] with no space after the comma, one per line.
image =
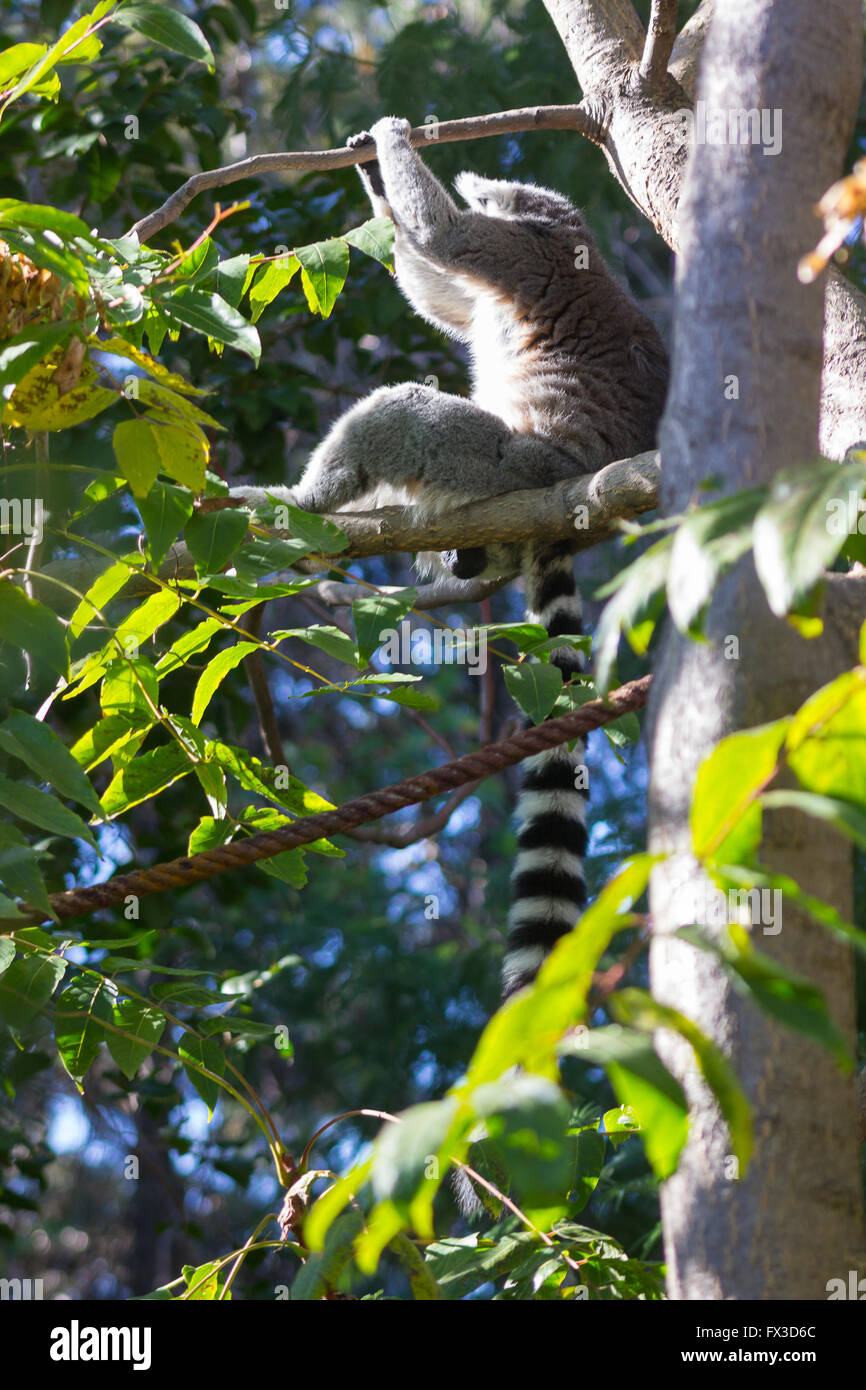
[558,348]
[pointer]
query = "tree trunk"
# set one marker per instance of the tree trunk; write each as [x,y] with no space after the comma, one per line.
[744,218]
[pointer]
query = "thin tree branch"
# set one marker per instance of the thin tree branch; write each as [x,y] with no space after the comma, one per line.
[438,595]
[257,677]
[470,128]
[660,34]
[402,836]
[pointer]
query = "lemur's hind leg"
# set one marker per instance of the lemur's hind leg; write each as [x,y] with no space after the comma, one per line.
[438,450]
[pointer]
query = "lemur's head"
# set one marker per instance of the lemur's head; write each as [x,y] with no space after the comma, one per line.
[499,198]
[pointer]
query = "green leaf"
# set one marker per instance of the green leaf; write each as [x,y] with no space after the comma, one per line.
[198,1054]
[19,59]
[526,1118]
[527,1027]
[168,28]
[328,639]
[726,814]
[33,628]
[324,267]
[826,744]
[321,1270]
[638,1008]
[781,993]
[130,687]
[210,833]
[706,544]
[373,613]
[323,536]
[740,879]
[801,528]
[26,987]
[80,1011]
[174,407]
[213,537]
[19,869]
[143,1026]
[43,810]
[231,277]
[146,619]
[643,1083]
[7,952]
[191,643]
[258,557]
[47,255]
[119,347]
[165,511]
[101,592]
[146,776]
[118,736]
[269,282]
[209,314]
[534,686]
[421,1282]
[25,349]
[41,217]
[144,448]
[215,673]
[261,818]
[375,238]
[588,1163]
[402,1152]
[290,867]
[634,607]
[39,747]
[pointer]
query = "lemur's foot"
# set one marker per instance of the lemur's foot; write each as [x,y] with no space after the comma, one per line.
[261,498]
[466,564]
[370,172]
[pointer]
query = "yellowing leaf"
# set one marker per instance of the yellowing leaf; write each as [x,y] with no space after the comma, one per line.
[36,402]
[144,448]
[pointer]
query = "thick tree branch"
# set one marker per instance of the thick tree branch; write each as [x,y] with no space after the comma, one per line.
[470,128]
[583,509]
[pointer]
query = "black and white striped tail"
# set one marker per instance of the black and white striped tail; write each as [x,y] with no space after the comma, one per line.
[548,887]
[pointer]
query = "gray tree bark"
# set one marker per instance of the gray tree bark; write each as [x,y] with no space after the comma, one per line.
[794,1221]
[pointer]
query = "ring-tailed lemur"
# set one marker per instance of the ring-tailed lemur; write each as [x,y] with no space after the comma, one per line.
[568,375]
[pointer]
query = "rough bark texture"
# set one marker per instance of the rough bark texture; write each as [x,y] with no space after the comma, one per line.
[794,1221]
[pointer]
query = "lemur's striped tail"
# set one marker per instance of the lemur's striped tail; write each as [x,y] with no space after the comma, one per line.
[548,888]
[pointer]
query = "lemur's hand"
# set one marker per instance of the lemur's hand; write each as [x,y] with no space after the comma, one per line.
[369,172]
[390,128]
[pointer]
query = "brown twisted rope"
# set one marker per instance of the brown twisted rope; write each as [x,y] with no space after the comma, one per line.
[177,873]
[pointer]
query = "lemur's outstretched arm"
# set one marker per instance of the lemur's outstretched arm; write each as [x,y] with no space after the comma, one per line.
[437,297]
[479,248]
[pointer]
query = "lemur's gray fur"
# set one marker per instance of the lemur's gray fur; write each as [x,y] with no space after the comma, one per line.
[568,375]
